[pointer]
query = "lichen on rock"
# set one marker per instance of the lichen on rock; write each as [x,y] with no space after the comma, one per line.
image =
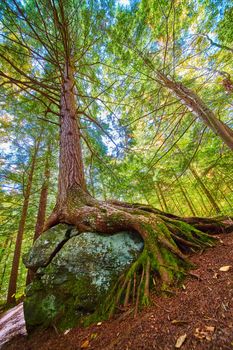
[77,278]
[46,246]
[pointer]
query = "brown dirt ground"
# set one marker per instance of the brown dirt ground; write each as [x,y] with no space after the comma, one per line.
[202,309]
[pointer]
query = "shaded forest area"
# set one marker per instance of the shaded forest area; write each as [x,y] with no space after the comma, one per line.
[119,103]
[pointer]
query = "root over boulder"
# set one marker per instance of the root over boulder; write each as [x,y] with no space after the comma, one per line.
[168,239]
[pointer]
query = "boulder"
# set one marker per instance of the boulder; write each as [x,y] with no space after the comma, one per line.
[74,274]
[46,246]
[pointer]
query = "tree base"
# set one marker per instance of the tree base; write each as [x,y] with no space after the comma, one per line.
[168,239]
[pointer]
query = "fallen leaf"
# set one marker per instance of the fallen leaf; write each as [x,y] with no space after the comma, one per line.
[225,268]
[180,341]
[204,334]
[199,334]
[85,344]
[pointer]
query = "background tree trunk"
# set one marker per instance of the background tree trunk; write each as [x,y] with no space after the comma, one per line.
[205,190]
[42,206]
[194,103]
[19,238]
[189,203]
[6,256]
[162,197]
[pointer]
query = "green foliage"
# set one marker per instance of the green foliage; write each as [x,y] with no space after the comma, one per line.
[225,30]
[140,144]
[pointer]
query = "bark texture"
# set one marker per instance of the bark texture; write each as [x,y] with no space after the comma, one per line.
[70,161]
[195,104]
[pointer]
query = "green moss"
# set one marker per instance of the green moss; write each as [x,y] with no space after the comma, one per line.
[76,299]
[45,309]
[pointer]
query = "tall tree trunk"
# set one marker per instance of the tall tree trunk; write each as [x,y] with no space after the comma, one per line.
[71,169]
[190,205]
[72,189]
[159,199]
[194,103]
[162,197]
[6,255]
[4,248]
[177,205]
[205,190]
[201,184]
[19,238]
[42,206]
[226,199]
[199,197]
[204,204]
[43,198]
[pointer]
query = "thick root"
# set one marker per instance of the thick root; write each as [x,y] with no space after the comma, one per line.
[161,265]
[167,241]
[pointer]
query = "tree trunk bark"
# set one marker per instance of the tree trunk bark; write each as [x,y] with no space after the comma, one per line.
[19,238]
[71,169]
[194,103]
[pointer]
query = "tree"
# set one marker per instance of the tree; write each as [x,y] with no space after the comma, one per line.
[61,39]
[41,214]
[198,108]
[19,238]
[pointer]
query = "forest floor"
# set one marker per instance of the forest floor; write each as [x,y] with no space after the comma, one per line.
[200,315]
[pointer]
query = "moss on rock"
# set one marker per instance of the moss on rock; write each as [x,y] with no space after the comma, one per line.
[78,277]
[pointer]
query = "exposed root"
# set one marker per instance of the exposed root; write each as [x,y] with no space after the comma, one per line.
[167,241]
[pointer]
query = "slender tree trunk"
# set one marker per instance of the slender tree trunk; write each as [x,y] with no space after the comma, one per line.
[194,103]
[91,180]
[162,197]
[159,199]
[205,190]
[226,199]
[43,198]
[177,205]
[199,197]
[4,248]
[104,194]
[19,238]
[185,196]
[42,207]
[202,185]
[6,255]
[204,204]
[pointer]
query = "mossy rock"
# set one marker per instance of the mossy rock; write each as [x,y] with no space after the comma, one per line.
[76,280]
[46,246]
